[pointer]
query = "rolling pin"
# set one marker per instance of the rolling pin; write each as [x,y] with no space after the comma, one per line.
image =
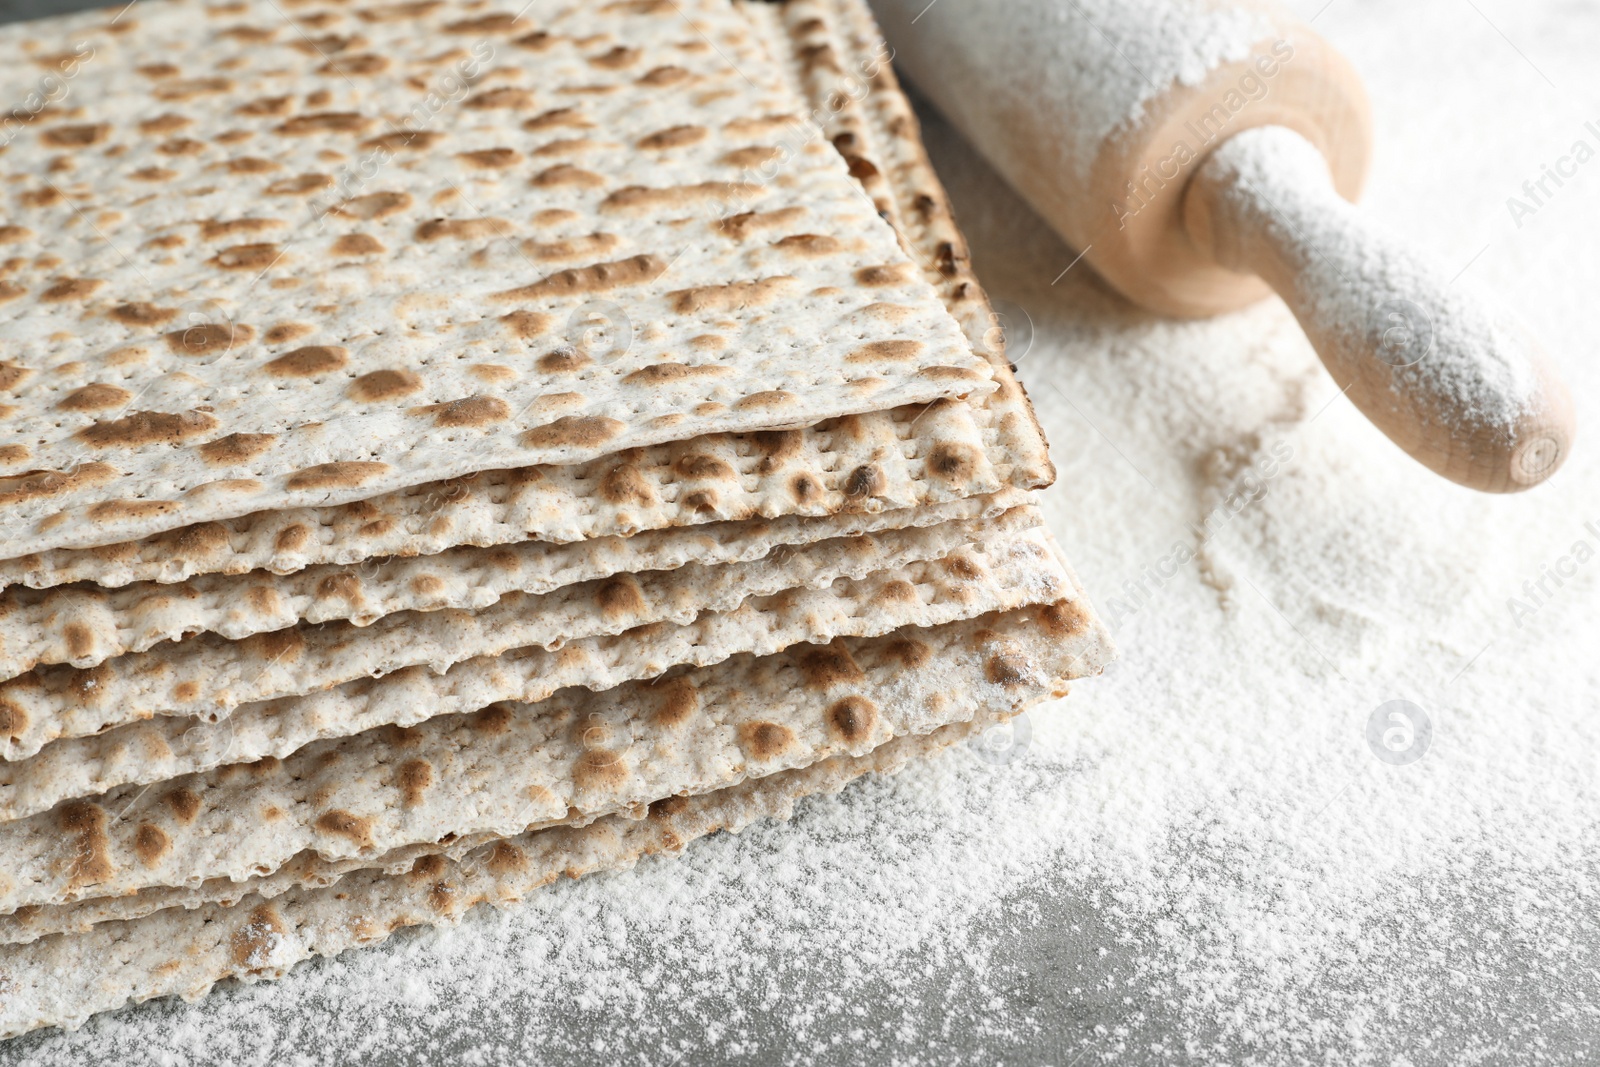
[1201,155]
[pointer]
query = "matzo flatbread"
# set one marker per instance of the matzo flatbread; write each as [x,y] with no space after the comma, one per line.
[426,362]
[1005,574]
[84,625]
[858,470]
[364,795]
[62,981]
[1042,648]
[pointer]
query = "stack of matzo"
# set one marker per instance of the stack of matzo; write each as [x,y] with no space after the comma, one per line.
[348,583]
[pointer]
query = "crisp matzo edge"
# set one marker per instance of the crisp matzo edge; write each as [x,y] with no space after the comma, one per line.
[64,980]
[151,749]
[338,796]
[206,678]
[84,625]
[845,698]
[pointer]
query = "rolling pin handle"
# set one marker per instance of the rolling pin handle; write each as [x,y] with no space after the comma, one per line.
[1455,382]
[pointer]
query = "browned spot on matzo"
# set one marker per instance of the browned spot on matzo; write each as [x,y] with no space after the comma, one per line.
[575,431]
[142,314]
[414,9]
[676,702]
[414,777]
[364,65]
[491,158]
[374,205]
[809,244]
[499,22]
[86,848]
[557,117]
[617,58]
[252,944]
[731,297]
[82,135]
[357,244]
[150,843]
[236,448]
[598,770]
[13,720]
[641,198]
[751,157]
[596,278]
[506,96]
[343,824]
[762,741]
[12,374]
[17,489]
[401,140]
[663,373]
[767,398]
[184,803]
[326,122]
[96,396]
[894,274]
[300,185]
[255,257]
[385,385]
[468,411]
[148,427]
[886,351]
[343,475]
[208,338]
[852,718]
[168,123]
[567,174]
[665,76]
[184,90]
[674,137]
[308,361]
[71,289]
[571,247]
[212,229]
[824,666]
[462,229]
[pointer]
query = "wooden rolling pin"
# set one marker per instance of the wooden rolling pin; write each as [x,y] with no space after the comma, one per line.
[1202,154]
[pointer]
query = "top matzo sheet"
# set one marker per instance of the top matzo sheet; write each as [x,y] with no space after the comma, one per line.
[265,255]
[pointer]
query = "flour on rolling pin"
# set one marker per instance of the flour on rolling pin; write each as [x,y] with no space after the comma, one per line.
[1054,49]
[1451,346]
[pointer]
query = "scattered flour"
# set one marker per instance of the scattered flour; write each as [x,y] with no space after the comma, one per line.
[1199,858]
